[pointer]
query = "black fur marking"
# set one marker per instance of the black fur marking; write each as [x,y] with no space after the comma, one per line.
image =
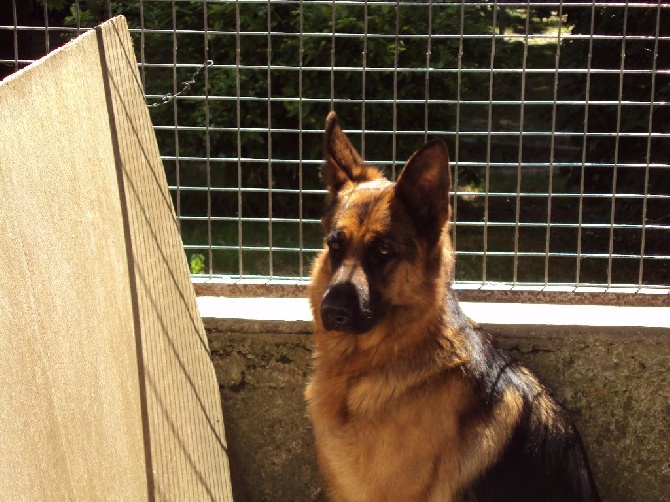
[541,463]
[545,458]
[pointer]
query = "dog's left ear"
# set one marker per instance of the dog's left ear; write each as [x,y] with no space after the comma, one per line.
[423,187]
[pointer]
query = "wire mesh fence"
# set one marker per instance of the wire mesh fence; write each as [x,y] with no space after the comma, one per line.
[556,115]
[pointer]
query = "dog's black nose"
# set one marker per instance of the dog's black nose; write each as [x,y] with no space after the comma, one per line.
[339,307]
[335,317]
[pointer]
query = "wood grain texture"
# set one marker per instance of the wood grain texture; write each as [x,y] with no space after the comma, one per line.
[106,385]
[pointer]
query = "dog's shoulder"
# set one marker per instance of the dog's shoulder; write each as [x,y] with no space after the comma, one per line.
[544,457]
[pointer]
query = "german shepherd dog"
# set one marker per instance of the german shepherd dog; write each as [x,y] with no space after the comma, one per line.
[409,400]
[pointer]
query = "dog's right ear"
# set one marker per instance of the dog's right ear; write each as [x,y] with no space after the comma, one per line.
[343,162]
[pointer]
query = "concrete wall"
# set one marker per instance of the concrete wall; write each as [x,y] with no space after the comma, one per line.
[614,381]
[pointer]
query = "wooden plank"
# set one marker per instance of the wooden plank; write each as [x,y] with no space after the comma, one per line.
[106,386]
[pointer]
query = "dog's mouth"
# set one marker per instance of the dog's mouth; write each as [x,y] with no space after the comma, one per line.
[346,308]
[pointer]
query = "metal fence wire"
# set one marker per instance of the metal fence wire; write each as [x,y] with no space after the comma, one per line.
[556,115]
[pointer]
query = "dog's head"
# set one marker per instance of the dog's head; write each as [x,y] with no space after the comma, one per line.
[385,242]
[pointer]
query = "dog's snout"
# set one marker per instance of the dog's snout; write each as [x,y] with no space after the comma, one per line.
[340,306]
[335,317]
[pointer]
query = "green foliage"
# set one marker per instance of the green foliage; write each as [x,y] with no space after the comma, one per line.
[313,82]
[302,88]
[636,87]
[196,263]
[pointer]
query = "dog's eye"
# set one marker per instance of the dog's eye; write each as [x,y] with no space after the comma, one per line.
[383,250]
[334,241]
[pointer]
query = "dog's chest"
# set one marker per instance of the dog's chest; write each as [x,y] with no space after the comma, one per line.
[406,449]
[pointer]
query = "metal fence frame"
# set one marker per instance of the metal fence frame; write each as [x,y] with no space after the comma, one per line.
[196,90]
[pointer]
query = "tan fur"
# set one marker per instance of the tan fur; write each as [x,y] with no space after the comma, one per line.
[394,436]
[386,430]
[397,398]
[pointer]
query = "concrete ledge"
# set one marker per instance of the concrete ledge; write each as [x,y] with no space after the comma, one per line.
[488,292]
[256,315]
[293,315]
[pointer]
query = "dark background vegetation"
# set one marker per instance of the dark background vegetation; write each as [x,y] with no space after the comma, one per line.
[596,164]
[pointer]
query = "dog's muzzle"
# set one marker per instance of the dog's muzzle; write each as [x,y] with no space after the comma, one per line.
[345,307]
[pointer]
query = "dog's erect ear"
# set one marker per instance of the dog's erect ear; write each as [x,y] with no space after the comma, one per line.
[343,163]
[423,187]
